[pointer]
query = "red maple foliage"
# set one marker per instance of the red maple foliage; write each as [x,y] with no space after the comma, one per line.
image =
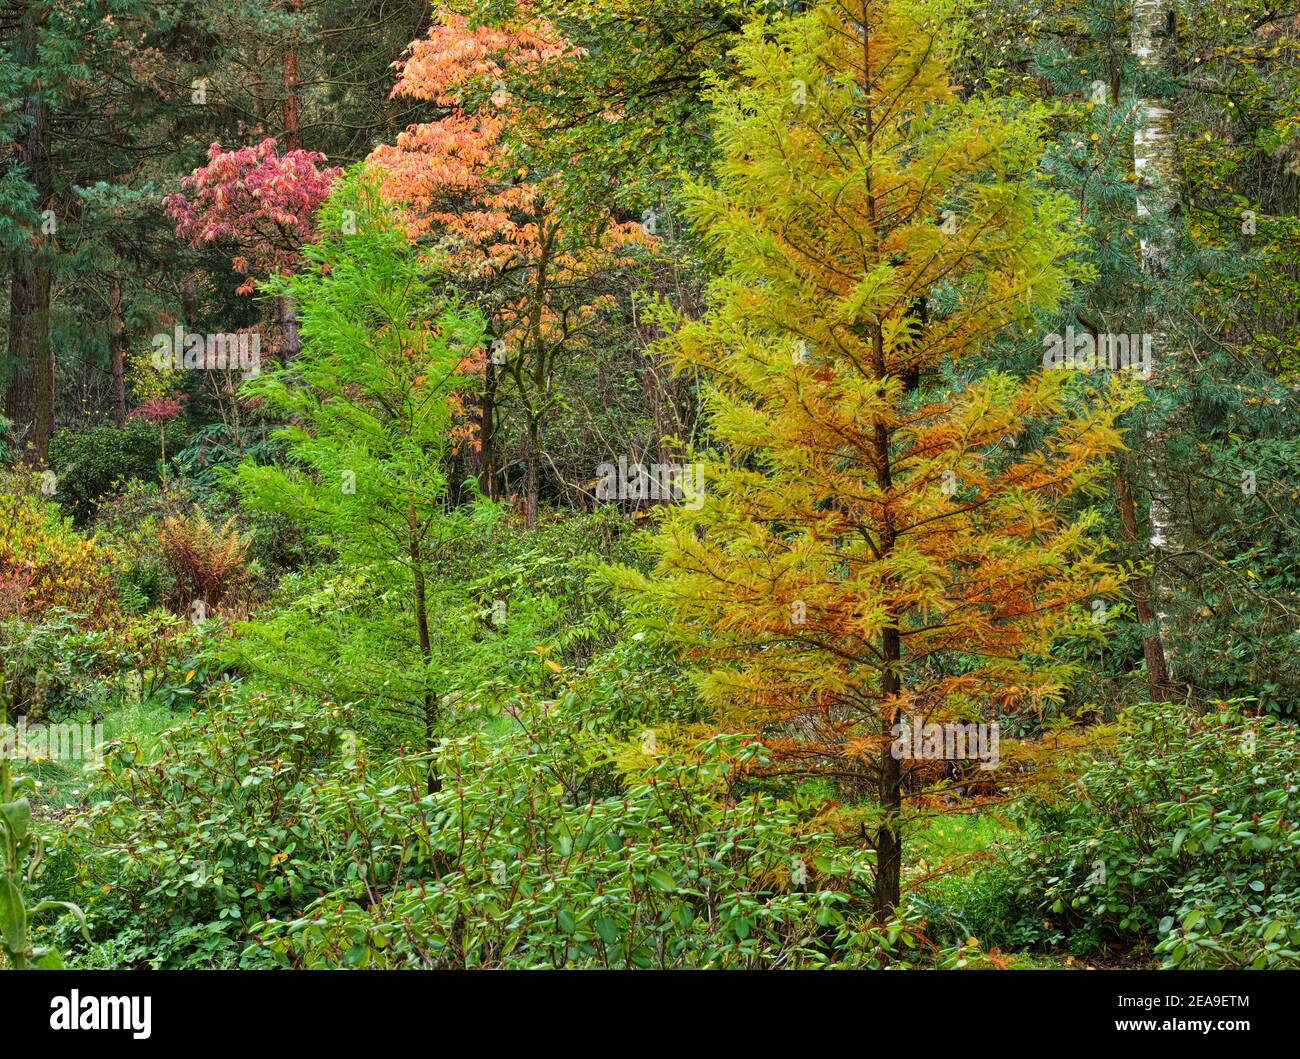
[158,410]
[255,200]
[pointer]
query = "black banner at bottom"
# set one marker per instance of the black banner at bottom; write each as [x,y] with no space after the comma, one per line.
[1032,1008]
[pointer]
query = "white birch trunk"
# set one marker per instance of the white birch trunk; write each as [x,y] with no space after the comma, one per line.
[1155,163]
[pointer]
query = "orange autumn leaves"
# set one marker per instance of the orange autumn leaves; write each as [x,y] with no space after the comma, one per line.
[449,172]
[539,280]
[452,174]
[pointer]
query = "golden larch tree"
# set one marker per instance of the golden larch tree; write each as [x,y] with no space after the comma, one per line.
[878,539]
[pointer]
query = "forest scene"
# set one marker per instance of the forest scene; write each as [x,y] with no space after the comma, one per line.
[650,485]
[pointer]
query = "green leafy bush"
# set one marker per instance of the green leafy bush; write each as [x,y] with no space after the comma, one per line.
[538,852]
[1186,838]
[261,834]
[59,667]
[214,450]
[92,464]
[21,850]
[555,561]
[50,663]
[638,682]
[218,830]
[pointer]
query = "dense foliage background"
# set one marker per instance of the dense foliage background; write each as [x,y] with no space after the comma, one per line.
[497,482]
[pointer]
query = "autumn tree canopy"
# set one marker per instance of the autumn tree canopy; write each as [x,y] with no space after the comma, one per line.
[539,279]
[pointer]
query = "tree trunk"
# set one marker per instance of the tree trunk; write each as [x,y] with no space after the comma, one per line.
[289,83]
[189,301]
[430,702]
[1152,649]
[286,308]
[487,480]
[255,90]
[542,364]
[1155,163]
[531,475]
[117,347]
[287,314]
[29,396]
[889,835]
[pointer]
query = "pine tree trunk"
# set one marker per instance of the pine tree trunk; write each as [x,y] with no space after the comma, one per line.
[1155,154]
[117,348]
[289,84]
[29,396]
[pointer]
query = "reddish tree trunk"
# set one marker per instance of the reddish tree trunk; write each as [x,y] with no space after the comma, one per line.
[29,395]
[117,332]
[289,83]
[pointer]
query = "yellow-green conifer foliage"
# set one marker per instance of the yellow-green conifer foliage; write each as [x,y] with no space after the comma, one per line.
[870,546]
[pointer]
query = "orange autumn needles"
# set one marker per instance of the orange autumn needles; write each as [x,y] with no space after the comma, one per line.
[869,547]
